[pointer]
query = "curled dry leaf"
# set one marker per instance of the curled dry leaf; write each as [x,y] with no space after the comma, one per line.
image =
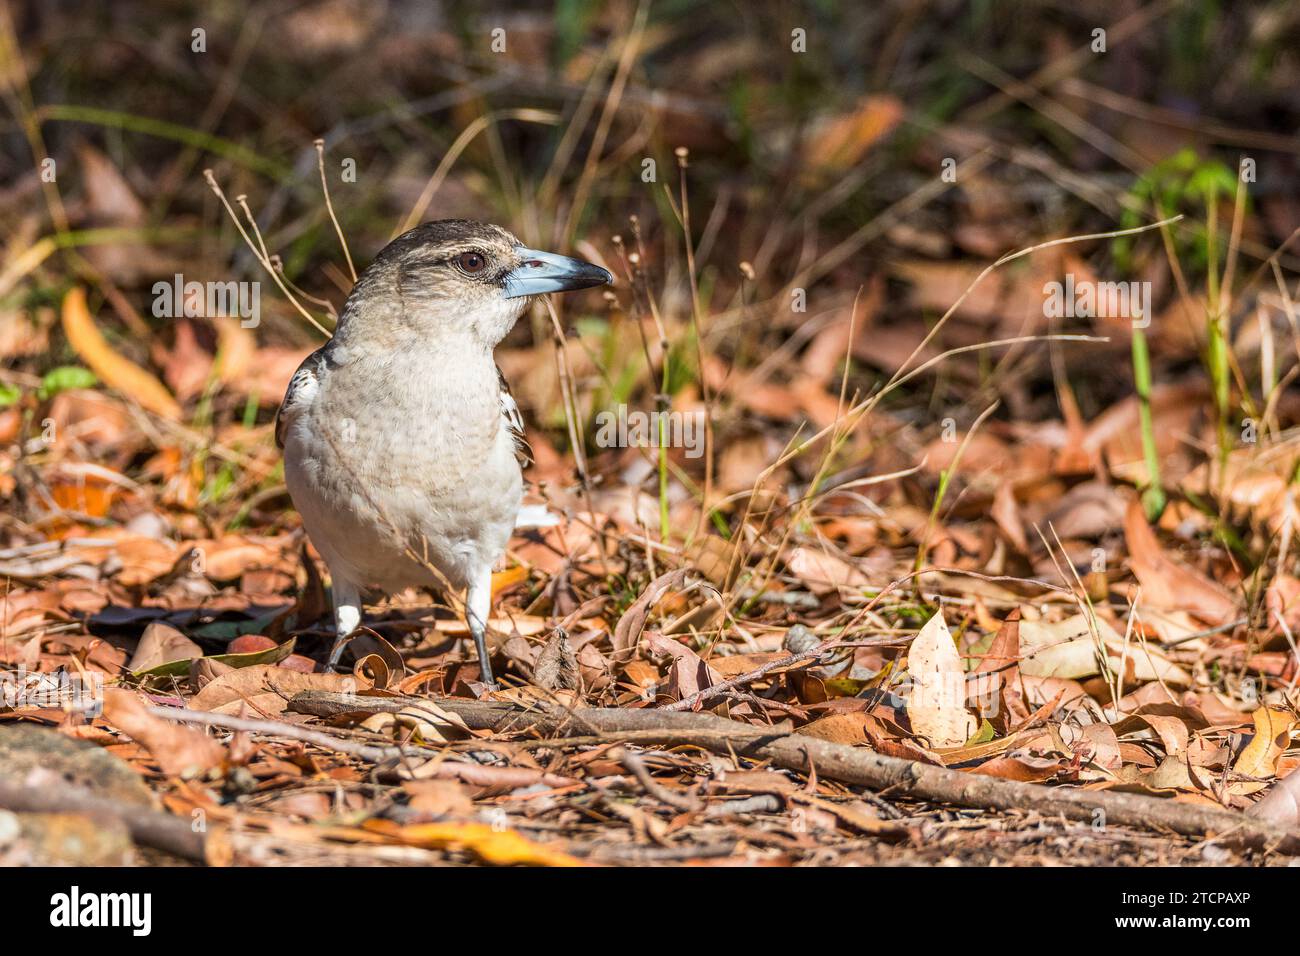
[1259,757]
[688,674]
[557,665]
[824,571]
[427,719]
[997,686]
[936,705]
[490,844]
[1006,513]
[1069,649]
[627,633]
[839,143]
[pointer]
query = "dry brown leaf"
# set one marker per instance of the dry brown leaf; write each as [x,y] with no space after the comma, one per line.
[627,632]
[1168,584]
[1171,731]
[842,141]
[936,705]
[1259,757]
[1281,805]
[841,728]
[1015,768]
[687,674]
[264,688]
[1006,514]
[162,644]
[824,571]
[999,680]
[1069,649]
[557,665]
[427,719]
[179,750]
[491,844]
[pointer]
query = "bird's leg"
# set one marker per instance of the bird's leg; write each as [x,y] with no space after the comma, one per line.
[478,602]
[347,617]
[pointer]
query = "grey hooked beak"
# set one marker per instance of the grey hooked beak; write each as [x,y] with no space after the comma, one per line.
[542,272]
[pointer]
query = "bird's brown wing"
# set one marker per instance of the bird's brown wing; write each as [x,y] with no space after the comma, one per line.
[513,421]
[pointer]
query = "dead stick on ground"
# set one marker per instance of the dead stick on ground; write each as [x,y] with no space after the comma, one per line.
[856,765]
[637,766]
[147,827]
[275,728]
[472,773]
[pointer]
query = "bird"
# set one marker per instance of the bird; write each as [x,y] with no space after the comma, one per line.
[403,447]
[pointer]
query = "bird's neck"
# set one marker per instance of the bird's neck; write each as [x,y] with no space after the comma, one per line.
[357,342]
[426,378]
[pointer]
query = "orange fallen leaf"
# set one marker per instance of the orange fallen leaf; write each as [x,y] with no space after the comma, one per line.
[1259,757]
[117,371]
[1167,584]
[842,141]
[179,749]
[508,578]
[503,847]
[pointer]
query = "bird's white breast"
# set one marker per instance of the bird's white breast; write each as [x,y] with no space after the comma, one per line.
[404,450]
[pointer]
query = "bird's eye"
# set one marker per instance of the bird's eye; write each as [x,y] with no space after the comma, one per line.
[471,262]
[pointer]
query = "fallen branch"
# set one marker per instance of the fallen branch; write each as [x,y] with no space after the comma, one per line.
[852,765]
[375,753]
[147,827]
[471,773]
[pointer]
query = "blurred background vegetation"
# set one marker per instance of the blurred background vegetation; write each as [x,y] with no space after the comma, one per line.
[814,140]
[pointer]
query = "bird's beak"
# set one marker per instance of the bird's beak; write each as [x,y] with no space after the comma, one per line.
[542,272]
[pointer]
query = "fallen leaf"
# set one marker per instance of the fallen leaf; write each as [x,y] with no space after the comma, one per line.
[1168,584]
[1281,805]
[179,750]
[162,644]
[180,667]
[115,370]
[491,845]
[936,705]
[1259,757]
[840,142]
[264,687]
[1069,649]
[557,665]
[627,632]
[823,571]
[687,674]
[998,676]
[429,721]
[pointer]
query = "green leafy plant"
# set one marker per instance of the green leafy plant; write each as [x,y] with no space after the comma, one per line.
[64,378]
[1182,183]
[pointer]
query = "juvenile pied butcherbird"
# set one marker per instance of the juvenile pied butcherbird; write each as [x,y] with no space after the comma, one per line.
[402,443]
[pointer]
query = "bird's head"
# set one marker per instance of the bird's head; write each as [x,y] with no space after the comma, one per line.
[458,275]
